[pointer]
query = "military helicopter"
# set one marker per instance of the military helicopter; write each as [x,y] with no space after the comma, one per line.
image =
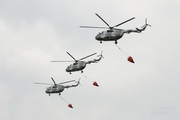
[58,88]
[79,65]
[113,34]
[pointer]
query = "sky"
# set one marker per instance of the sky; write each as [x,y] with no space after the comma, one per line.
[33,33]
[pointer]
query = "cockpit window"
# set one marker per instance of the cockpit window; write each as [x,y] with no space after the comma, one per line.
[75,63]
[109,30]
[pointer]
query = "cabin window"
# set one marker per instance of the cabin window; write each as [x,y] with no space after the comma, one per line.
[109,30]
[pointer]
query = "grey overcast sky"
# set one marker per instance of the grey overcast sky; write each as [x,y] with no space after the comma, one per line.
[32,33]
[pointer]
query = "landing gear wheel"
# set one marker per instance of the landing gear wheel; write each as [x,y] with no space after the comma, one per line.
[81,71]
[116,42]
[101,42]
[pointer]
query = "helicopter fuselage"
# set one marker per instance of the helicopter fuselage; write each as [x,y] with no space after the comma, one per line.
[113,34]
[76,66]
[110,35]
[54,89]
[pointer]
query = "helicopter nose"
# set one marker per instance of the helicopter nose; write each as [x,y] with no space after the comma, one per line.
[47,91]
[98,37]
[67,69]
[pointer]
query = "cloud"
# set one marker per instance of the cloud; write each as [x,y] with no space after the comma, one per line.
[34,33]
[5,100]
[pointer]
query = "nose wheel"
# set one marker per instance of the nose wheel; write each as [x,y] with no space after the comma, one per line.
[81,71]
[116,42]
[100,41]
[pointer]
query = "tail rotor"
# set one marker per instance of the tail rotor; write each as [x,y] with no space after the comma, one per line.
[101,55]
[146,24]
[78,82]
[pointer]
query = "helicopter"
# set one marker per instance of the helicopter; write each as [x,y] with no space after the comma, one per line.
[79,65]
[113,34]
[58,88]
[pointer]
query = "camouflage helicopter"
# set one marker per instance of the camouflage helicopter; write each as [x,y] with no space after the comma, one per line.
[79,65]
[113,34]
[58,88]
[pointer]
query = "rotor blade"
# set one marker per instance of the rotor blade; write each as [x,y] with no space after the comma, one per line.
[94,27]
[53,81]
[124,22]
[87,56]
[103,20]
[62,61]
[66,82]
[71,56]
[43,83]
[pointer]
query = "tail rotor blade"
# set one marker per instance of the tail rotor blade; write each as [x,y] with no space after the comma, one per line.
[146,24]
[78,82]
[101,54]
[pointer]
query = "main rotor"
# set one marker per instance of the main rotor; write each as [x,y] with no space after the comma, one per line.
[75,59]
[54,82]
[109,27]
